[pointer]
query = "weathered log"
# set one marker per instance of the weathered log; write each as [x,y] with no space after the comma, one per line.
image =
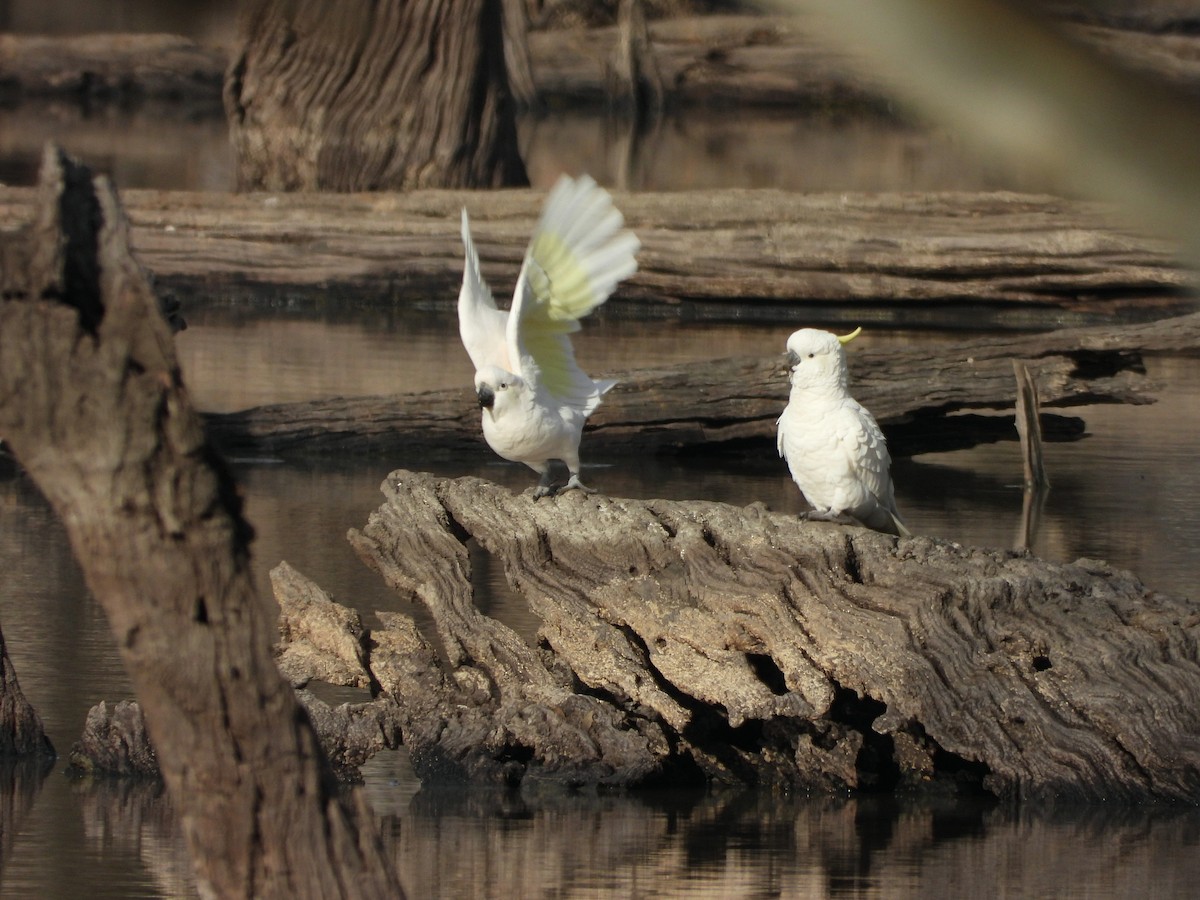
[912,391]
[93,407]
[679,638]
[902,258]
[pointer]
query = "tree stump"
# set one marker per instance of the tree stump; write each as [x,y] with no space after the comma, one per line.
[21,731]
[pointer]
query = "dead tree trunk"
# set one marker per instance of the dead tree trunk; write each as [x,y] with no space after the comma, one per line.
[361,96]
[92,405]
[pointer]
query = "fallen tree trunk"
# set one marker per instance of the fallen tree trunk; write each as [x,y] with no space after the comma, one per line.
[905,258]
[685,641]
[912,392]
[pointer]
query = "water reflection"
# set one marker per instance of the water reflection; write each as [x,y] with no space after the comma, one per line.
[1127,492]
[161,146]
[476,844]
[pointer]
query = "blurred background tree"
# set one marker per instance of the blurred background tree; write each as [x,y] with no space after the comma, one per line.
[360,95]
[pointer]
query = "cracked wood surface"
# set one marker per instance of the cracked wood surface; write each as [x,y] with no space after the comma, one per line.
[684,640]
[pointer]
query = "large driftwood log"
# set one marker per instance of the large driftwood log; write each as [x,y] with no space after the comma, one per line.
[680,639]
[912,391]
[92,406]
[906,258]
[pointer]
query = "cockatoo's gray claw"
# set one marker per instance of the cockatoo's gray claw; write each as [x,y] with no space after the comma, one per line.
[574,483]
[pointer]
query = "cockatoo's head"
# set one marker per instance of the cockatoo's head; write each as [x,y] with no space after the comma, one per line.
[497,389]
[817,359]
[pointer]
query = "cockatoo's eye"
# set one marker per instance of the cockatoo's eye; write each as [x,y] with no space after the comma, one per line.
[811,355]
[504,385]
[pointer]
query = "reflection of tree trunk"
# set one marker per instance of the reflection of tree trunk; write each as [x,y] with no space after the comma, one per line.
[518,61]
[637,86]
[94,409]
[371,95]
[20,782]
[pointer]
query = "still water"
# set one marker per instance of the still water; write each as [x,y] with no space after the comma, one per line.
[1128,492]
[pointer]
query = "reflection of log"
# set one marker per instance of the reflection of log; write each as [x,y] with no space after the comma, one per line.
[822,846]
[690,639]
[911,391]
[94,410]
[20,782]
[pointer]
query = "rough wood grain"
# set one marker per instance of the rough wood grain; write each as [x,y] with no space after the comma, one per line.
[386,94]
[689,639]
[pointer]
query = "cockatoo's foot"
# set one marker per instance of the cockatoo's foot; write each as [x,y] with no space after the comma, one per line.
[545,487]
[574,483]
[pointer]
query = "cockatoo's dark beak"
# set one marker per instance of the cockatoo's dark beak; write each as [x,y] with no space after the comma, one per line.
[486,396]
[792,359]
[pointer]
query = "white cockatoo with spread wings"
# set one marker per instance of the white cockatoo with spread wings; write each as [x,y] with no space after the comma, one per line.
[533,395]
[834,448]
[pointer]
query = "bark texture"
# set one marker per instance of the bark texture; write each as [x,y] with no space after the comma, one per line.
[680,640]
[92,406]
[373,95]
[115,742]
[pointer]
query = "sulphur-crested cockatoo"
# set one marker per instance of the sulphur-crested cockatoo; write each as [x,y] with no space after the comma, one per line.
[833,446]
[534,396]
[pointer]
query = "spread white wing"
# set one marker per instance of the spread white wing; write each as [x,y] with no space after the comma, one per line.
[480,324]
[579,252]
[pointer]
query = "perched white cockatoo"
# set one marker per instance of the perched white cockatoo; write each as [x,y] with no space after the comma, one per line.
[533,394]
[834,448]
